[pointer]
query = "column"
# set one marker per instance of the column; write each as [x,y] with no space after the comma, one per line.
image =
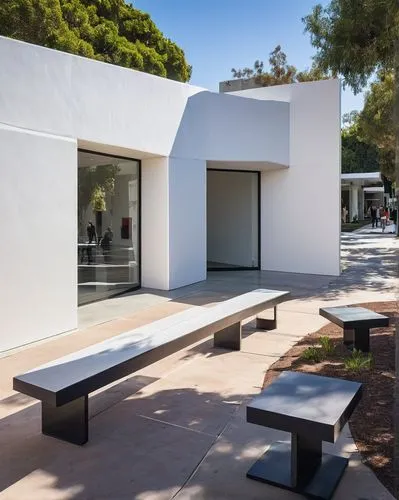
[354,201]
[361,204]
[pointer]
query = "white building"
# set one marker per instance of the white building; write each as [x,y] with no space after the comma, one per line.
[195,179]
[360,190]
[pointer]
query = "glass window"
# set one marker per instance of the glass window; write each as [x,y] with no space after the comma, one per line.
[108,226]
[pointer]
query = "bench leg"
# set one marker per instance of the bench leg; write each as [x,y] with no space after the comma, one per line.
[362,339]
[69,422]
[267,324]
[228,338]
[348,336]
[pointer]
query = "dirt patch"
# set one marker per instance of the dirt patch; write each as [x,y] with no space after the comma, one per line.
[371,424]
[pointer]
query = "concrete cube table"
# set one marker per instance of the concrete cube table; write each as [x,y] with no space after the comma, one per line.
[356,323]
[313,409]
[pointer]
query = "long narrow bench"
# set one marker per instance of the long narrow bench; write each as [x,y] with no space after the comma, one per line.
[63,385]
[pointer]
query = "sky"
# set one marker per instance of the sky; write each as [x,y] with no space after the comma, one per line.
[217,35]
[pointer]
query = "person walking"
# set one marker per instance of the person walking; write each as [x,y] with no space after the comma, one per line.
[373,214]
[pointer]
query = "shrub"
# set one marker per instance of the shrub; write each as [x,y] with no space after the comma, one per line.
[326,345]
[358,361]
[313,354]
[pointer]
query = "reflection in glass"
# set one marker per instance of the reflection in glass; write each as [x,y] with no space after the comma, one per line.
[108,253]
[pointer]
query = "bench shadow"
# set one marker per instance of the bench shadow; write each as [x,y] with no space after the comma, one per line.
[137,445]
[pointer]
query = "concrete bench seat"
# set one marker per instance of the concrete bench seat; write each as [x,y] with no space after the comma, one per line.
[63,385]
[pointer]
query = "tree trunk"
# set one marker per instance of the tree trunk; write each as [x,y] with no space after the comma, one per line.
[396,389]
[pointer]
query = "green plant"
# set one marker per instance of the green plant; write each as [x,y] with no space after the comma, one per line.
[313,354]
[326,345]
[358,361]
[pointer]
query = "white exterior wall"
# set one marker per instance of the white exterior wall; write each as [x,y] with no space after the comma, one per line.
[173,237]
[222,127]
[50,102]
[155,223]
[300,207]
[187,221]
[38,290]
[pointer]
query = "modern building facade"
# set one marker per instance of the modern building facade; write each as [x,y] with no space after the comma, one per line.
[174,179]
[359,191]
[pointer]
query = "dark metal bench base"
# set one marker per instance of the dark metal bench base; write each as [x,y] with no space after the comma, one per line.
[69,422]
[358,338]
[228,338]
[279,467]
[267,324]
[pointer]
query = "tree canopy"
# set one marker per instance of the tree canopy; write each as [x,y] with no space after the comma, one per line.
[280,71]
[107,30]
[354,38]
[358,40]
[358,155]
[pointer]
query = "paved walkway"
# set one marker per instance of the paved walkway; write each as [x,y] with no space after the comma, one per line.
[177,429]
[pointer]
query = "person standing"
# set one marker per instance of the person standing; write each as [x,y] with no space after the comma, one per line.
[383,215]
[106,244]
[92,238]
[373,214]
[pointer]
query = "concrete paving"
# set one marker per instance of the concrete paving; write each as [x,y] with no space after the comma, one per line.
[177,428]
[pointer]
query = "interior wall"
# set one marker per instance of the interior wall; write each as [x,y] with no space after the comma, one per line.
[37,260]
[232,218]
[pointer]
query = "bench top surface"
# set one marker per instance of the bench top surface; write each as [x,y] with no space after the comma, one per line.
[314,398]
[95,359]
[353,316]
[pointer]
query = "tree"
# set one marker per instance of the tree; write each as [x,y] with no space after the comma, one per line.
[355,39]
[107,30]
[280,71]
[376,123]
[358,156]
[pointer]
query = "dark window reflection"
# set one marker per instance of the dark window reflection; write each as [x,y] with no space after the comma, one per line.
[108,225]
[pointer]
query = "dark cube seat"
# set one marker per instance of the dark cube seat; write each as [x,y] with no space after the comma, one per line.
[313,409]
[356,323]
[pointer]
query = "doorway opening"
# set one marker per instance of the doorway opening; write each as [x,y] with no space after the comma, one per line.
[233,220]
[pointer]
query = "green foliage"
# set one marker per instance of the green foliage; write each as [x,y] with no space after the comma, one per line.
[280,71]
[312,353]
[107,30]
[326,345]
[358,361]
[376,121]
[354,38]
[94,184]
[357,155]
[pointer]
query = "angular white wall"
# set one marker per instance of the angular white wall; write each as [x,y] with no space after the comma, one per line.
[173,211]
[38,292]
[300,209]
[155,223]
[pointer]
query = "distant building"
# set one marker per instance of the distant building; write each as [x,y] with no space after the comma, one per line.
[238,84]
[360,190]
